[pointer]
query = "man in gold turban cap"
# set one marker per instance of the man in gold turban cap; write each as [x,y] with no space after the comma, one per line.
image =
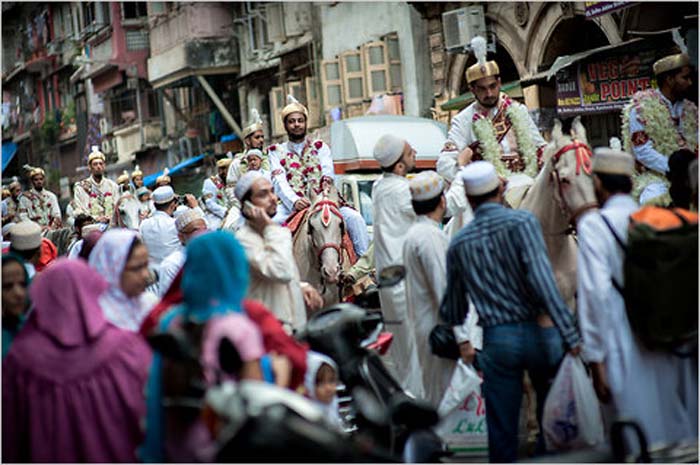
[39,204]
[96,195]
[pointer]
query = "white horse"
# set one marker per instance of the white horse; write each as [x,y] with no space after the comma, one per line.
[560,194]
[126,212]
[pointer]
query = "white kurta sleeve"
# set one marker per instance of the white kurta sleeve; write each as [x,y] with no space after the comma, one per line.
[646,154]
[593,287]
[55,207]
[456,198]
[460,130]
[272,258]
[210,191]
[279,181]
[470,330]
[324,156]
[82,199]
[166,274]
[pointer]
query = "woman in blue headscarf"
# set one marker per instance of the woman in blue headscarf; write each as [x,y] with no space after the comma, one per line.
[214,281]
[15,298]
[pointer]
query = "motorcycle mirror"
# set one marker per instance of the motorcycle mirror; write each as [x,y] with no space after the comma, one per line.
[391,276]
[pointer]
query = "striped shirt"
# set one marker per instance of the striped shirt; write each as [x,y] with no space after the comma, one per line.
[501,262]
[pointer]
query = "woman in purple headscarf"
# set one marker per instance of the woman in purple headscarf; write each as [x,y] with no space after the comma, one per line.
[72,384]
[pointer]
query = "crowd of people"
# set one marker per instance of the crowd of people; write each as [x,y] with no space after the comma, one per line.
[81,384]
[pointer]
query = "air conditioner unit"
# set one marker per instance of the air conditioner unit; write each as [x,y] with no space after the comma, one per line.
[462,25]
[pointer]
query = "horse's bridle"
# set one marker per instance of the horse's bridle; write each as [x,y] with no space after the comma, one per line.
[328,208]
[583,163]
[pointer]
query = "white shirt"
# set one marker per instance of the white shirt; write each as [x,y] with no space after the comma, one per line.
[424,256]
[642,383]
[83,201]
[213,206]
[169,268]
[274,276]
[160,236]
[29,210]
[393,217]
[278,152]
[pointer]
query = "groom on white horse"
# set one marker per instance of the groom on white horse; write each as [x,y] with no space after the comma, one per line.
[493,128]
[301,164]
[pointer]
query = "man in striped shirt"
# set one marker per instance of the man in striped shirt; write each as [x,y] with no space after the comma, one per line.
[500,261]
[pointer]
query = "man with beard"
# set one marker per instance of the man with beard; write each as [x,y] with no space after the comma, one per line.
[301,164]
[123,182]
[494,127]
[96,195]
[214,194]
[137,178]
[10,205]
[658,123]
[274,276]
[39,204]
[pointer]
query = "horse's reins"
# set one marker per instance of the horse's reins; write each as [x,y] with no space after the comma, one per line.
[583,163]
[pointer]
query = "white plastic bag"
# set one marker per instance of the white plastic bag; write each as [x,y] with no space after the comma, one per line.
[572,417]
[464,380]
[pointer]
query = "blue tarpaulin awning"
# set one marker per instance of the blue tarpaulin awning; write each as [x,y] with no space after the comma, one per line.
[9,149]
[151,178]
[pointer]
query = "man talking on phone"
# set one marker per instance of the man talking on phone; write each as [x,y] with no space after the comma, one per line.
[274,274]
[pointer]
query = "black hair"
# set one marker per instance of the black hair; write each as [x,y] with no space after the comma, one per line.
[136,242]
[615,183]
[479,199]
[423,207]
[26,255]
[661,78]
[81,219]
[678,175]
[390,168]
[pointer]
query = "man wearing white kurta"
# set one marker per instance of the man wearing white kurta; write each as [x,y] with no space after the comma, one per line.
[630,381]
[393,217]
[274,276]
[301,164]
[159,232]
[424,254]
[679,131]
[458,209]
[96,196]
[214,195]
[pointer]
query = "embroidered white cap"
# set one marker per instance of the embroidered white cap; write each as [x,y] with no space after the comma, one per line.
[255,152]
[246,182]
[25,235]
[163,194]
[187,217]
[479,178]
[426,185]
[388,150]
[610,161]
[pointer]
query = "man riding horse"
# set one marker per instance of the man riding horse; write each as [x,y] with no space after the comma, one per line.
[96,195]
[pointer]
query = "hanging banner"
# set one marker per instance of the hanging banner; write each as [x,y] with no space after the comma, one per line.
[604,83]
[595,9]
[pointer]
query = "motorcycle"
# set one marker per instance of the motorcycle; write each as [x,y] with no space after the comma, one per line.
[384,413]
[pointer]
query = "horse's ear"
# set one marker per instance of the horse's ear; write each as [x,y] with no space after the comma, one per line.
[556,131]
[578,131]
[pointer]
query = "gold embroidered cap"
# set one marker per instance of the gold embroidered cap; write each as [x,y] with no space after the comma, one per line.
[671,62]
[254,125]
[123,178]
[95,154]
[33,171]
[611,161]
[293,106]
[481,68]
[223,162]
[426,185]
[163,178]
[137,172]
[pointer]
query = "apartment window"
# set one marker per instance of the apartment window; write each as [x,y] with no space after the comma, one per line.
[394,58]
[312,101]
[376,64]
[277,103]
[352,71]
[258,33]
[296,90]
[68,22]
[134,10]
[332,84]
[136,39]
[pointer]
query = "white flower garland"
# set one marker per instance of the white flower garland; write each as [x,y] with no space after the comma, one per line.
[656,116]
[491,150]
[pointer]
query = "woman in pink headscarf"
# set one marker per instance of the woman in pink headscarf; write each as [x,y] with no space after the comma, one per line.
[72,384]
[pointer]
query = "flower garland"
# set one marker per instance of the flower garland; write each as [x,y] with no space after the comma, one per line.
[654,112]
[491,149]
[303,171]
[40,211]
[102,205]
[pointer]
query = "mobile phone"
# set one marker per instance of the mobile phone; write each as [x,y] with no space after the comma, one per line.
[248,207]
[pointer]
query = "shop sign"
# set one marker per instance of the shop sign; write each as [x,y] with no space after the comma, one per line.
[604,83]
[595,9]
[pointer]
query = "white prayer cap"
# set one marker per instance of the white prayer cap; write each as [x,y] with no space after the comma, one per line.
[142,190]
[180,210]
[163,194]
[479,178]
[245,183]
[26,235]
[610,161]
[426,185]
[255,152]
[187,217]
[388,150]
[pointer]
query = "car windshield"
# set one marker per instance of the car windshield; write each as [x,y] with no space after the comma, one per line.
[365,191]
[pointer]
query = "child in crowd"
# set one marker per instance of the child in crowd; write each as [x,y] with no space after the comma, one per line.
[321,382]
